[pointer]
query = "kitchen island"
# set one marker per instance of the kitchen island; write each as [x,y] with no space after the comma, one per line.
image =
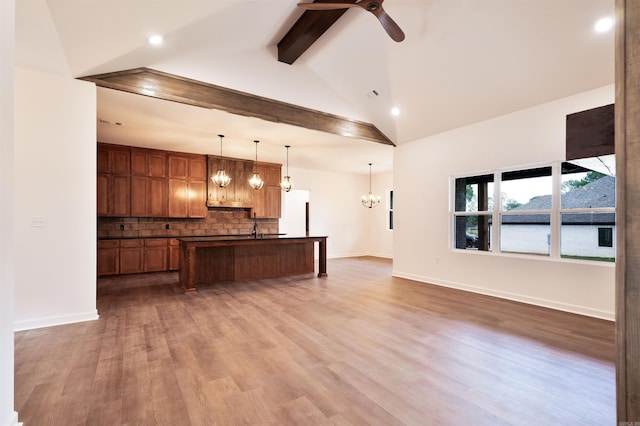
[207,260]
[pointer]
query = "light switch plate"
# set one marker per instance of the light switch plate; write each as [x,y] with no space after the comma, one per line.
[38,222]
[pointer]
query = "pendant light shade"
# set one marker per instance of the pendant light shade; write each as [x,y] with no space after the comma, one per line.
[256,182]
[286,185]
[370,200]
[221,179]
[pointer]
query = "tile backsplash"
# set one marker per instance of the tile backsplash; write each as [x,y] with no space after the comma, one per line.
[217,222]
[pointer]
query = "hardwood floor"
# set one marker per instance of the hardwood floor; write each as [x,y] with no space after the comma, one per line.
[358,347]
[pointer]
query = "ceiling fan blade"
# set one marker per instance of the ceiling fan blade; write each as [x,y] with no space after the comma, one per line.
[388,24]
[326,6]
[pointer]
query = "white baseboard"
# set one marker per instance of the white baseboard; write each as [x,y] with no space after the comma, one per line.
[546,303]
[58,320]
[13,420]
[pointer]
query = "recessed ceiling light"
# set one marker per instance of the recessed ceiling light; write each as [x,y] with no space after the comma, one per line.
[155,40]
[395,111]
[603,25]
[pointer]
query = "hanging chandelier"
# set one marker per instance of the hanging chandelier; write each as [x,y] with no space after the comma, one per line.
[221,179]
[370,200]
[255,181]
[286,185]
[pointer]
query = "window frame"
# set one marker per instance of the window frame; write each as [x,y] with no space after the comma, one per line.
[497,212]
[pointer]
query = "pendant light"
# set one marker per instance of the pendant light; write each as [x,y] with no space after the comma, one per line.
[255,181]
[370,200]
[221,179]
[286,185]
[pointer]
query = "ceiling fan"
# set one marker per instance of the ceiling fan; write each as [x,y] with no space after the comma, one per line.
[372,6]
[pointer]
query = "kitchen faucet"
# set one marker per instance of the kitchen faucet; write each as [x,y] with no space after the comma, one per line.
[255,226]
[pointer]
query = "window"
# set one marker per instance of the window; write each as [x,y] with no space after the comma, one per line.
[473,194]
[605,237]
[561,210]
[587,209]
[525,206]
[390,211]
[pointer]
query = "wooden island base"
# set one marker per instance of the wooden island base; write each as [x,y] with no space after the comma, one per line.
[208,260]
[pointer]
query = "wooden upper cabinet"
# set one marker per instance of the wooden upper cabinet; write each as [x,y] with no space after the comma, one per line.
[149,186]
[267,201]
[157,164]
[197,195]
[157,200]
[178,201]
[113,180]
[187,187]
[198,168]
[113,195]
[139,163]
[139,196]
[178,167]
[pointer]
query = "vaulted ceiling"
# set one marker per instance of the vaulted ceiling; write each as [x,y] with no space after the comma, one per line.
[463,61]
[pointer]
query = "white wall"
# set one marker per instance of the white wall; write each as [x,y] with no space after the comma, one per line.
[8,417]
[380,237]
[55,168]
[335,210]
[422,225]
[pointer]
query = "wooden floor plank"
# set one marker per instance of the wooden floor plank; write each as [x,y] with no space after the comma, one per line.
[358,347]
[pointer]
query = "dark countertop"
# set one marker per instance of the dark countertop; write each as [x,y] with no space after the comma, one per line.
[228,236]
[244,237]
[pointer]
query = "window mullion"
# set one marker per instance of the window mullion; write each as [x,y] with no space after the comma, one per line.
[555,225]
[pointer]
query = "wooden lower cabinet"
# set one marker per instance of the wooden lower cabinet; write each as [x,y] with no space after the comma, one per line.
[131,256]
[108,262]
[155,254]
[136,255]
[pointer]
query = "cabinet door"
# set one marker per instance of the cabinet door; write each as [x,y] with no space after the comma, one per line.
[108,260]
[103,159]
[267,201]
[197,199]
[178,201]
[198,169]
[102,194]
[139,163]
[139,196]
[157,164]
[178,167]
[119,161]
[155,255]
[121,196]
[131,256]
[272,174]
[157,197]
[272,205]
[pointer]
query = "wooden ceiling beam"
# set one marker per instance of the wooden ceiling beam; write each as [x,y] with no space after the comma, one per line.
[170,87]
[306,30]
